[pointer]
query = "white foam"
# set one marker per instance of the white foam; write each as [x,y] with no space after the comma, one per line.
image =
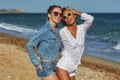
[17,28]
[117,46]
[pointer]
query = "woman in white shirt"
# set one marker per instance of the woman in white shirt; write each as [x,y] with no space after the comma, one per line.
[73,37]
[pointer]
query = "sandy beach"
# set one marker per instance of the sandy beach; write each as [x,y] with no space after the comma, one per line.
[16,65]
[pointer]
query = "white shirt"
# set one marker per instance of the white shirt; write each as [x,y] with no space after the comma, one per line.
[74,47]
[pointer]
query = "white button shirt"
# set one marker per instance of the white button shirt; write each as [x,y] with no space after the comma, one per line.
[74,47]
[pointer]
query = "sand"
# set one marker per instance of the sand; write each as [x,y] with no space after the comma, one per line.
[16,65]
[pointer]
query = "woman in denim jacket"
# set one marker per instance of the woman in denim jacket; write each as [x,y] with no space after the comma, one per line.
[48,43]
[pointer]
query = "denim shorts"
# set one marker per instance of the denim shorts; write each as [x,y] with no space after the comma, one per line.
[48,68]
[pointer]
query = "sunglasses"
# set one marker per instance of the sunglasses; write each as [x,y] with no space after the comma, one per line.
[69,14]
[57,13]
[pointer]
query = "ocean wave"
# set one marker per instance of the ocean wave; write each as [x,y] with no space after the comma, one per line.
[113,39]
[117,47]
[16,28]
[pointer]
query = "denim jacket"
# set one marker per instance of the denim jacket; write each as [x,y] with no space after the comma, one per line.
[47,43]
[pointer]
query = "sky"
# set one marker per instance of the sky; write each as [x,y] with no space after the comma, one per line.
[41,6]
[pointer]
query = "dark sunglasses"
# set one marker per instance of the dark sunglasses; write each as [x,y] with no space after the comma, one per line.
[57,13]
[69,14]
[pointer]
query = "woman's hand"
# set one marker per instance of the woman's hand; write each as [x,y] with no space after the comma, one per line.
[74,11]
[39,67]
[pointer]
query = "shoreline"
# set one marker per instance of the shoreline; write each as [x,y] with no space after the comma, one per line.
[91,68]
[103,61]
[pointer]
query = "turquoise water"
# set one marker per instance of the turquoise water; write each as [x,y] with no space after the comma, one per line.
[102,39]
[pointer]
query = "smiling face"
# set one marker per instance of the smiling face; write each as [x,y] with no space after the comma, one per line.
[69,17]
[55,15]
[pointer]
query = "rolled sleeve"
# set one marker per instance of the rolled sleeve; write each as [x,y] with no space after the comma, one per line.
[88,20]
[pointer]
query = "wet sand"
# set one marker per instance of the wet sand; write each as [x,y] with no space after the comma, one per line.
[16,65]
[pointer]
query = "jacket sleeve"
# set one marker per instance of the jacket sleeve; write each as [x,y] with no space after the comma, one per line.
[88,20]
[32,43]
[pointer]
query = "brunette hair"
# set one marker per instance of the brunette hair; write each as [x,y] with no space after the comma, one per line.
[63,22]
[50,9]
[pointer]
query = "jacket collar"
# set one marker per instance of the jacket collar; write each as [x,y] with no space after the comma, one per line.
[50,27]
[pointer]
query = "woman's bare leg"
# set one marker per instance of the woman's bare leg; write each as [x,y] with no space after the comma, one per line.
[51,77]
[72,78]
[62,74]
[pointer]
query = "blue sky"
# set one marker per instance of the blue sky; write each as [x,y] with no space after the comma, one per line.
[36,6]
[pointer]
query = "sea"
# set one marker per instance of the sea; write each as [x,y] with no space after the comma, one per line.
[102,38]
